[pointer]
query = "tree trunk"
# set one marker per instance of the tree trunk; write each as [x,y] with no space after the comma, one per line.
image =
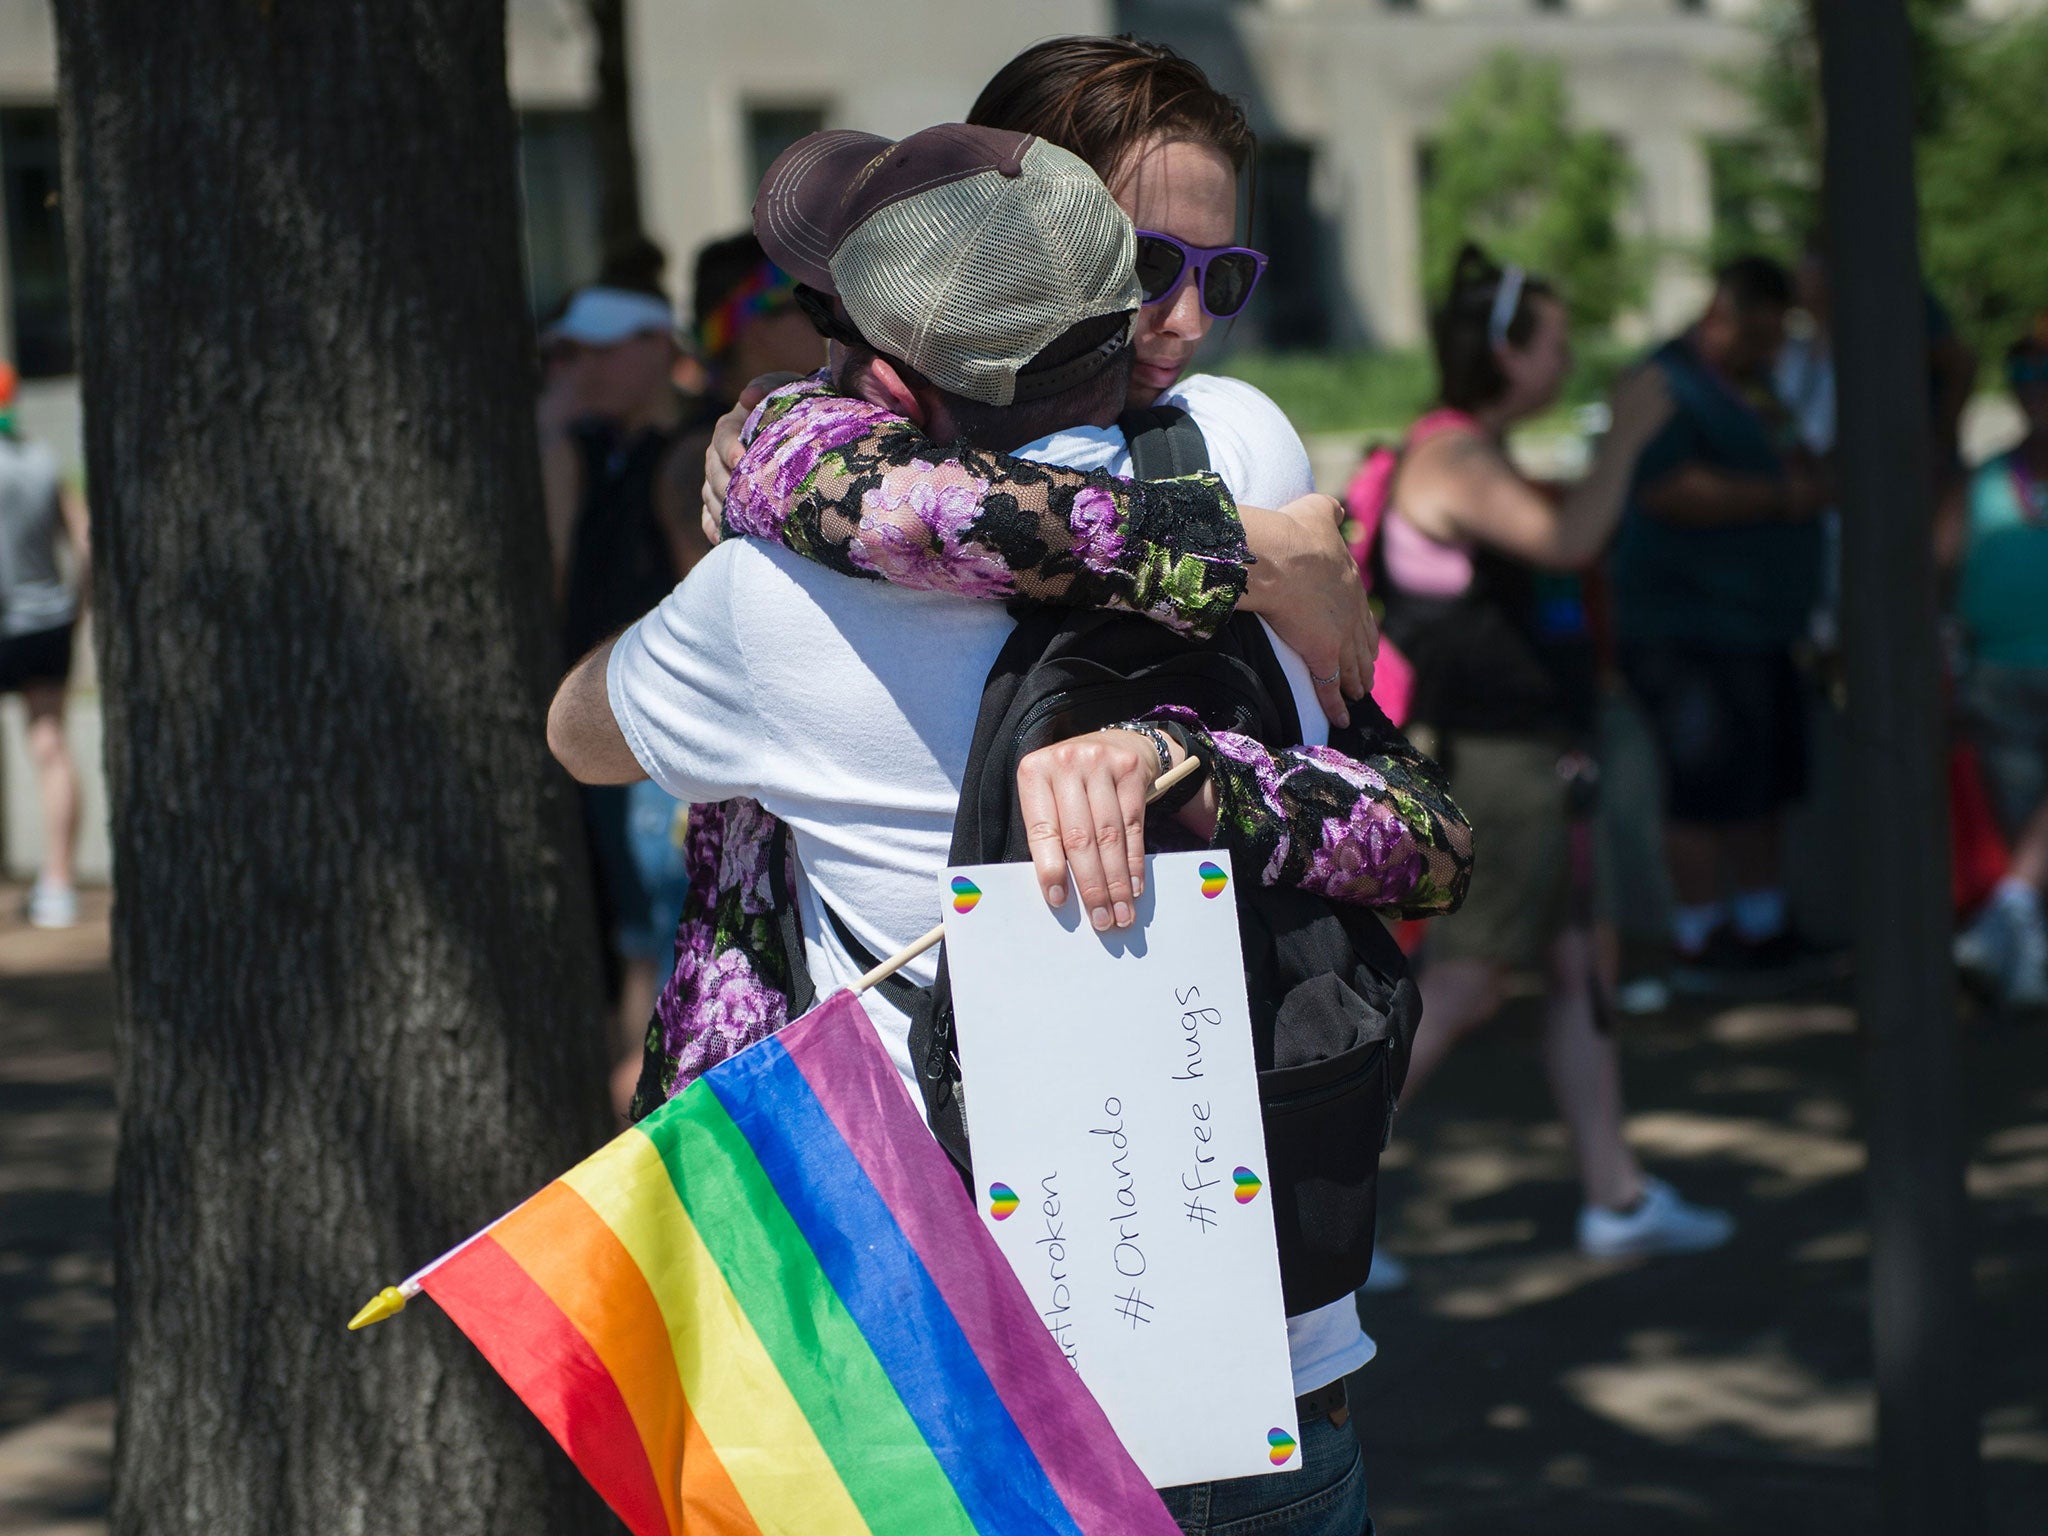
[353,936]
[1927,1410]
[618,169]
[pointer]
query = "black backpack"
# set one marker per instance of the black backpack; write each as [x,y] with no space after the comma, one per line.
[1333,1009]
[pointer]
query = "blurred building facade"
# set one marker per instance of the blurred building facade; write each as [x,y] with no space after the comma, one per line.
[1345,94]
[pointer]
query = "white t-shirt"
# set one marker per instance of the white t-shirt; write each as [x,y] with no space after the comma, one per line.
[846,708]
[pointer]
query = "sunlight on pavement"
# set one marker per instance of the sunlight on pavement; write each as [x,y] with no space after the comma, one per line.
[1532,1282]
[1850,1244]
[26,951]
[54,1468]
[1800,1158]
[1780,1023]
[1762,1393]
[2016,1433]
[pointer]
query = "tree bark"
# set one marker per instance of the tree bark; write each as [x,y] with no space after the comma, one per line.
[620,232]
[1927,1411]
[352,936]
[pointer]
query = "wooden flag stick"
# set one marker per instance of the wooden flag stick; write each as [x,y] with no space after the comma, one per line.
[919,945]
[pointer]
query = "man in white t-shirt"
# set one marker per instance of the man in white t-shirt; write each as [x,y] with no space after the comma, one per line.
[847,707]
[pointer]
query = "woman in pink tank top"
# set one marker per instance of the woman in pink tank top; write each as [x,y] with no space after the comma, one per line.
[1503,686]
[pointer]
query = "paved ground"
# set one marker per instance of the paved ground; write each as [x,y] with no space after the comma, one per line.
[56,1230]
[1518,1389]
[1521,1388]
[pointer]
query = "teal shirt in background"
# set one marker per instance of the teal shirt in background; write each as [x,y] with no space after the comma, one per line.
[1746,587]
[2003,597]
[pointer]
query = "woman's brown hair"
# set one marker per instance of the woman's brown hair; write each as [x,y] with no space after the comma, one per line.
[1103,98]
[1465,331]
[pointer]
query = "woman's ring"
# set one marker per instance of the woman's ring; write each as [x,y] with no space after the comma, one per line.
[1326,680]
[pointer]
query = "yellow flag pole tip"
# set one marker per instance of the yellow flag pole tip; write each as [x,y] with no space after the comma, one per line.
[388,1302]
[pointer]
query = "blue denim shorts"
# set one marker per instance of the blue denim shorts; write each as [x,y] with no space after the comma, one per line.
[1324,1496]
[636,831]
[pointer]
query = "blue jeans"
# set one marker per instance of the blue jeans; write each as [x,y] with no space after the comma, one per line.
[1324,1496]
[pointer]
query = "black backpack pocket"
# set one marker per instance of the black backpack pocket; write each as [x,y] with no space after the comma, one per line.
[1327,1120]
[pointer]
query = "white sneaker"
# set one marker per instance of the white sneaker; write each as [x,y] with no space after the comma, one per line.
[1644,996]
[1662,1222]
[52,906]
[2026,975]
[1985,950]
[1388,1273]
[2005,952]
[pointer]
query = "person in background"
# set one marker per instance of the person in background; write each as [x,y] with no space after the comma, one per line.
[623,530]
[1469,560]
[1715,574]
[38,616]
[1805,381]
[2002,606]
[623,478]
[612,473]
[748,326]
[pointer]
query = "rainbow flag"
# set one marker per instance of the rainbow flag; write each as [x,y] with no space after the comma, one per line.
[770,1307]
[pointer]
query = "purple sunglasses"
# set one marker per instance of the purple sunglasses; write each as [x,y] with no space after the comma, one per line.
[1225,275]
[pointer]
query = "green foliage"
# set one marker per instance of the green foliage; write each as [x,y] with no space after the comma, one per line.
[1984,186]
[1982,138]
[1767,183]
[1511,172]
[1340,391]
[1382,392]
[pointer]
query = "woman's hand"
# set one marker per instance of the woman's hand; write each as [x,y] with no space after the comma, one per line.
[1083,801]
[1305,584]
[723,456]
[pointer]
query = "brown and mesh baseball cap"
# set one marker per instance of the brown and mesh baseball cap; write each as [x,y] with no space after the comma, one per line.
[964,251]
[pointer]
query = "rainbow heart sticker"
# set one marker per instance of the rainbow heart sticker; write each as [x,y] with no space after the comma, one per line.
[1248,1185]
[1213,880]
[1282,1444]
[1002,1201]
[965,894]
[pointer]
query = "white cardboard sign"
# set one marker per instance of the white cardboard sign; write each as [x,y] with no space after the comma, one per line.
[1119,1159]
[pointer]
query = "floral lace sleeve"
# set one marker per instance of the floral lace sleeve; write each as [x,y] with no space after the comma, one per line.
[1375,830]
[846,484]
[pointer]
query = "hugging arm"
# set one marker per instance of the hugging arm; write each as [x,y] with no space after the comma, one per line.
[852,487]
[1374,826]
[843,482]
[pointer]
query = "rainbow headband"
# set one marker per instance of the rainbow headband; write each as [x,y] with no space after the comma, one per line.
[764,290]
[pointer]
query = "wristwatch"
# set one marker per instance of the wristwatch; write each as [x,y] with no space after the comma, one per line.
[1159,733]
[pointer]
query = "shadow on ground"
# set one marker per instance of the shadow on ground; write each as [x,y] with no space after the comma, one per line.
[56,1226]
[1519,1388]
[1523,1388]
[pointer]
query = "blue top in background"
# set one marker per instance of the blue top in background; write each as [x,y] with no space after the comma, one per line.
[1743,587]
[2003,597]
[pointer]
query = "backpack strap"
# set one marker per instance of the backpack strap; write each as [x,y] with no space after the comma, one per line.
[802,992]
[931,1041]
[1165,442]
[896,987]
